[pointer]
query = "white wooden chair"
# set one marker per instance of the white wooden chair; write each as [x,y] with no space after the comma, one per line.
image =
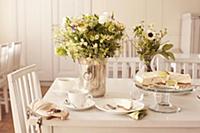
[123,67]
[3,72]
[10,61]
[24,88]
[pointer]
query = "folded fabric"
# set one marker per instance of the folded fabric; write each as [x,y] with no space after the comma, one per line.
[47,110]
[138,115]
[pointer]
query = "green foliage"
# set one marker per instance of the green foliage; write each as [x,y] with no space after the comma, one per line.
[89,36]
[148,43]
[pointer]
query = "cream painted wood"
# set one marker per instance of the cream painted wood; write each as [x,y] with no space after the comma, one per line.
[127,49]
[190,33]
[17,55]
[162,13]
[96,121]
[184,64]
[3,64]
[4,58]
[14,56]
[34,29]
[24,88]
[123,67]
[10,61]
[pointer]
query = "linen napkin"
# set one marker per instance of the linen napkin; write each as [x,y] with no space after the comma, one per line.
[138,115]
[47,110]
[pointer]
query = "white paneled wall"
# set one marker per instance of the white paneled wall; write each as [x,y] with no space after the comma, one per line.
[7,21]
[162,13]
[31,22]
[61,8]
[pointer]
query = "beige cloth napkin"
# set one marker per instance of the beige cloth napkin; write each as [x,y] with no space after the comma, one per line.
[138,115]
[47,110]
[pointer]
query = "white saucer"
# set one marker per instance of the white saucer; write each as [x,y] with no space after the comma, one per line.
[90,103]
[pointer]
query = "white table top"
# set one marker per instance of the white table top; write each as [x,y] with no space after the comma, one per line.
[188,117]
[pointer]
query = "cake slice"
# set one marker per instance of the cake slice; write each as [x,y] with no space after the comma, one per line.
[163,79]
[151,78]
[183,80]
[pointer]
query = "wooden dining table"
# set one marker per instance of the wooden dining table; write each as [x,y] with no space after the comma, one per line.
[96,121]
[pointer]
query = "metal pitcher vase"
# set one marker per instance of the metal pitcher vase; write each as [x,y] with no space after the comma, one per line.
[93,76]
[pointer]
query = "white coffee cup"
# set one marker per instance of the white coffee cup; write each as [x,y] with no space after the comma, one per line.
[78,97]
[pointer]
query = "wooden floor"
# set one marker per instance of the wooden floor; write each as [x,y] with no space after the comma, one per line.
[6,125]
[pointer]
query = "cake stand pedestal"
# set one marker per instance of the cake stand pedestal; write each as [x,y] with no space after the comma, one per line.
[162,104]
[162,94]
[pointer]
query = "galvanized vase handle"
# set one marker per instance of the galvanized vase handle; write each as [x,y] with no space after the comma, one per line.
[89,75]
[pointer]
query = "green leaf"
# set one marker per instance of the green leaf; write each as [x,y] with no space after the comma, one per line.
[171,55]
[165,55]
[167,47]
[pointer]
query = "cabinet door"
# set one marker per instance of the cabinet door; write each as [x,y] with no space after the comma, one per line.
[64,66]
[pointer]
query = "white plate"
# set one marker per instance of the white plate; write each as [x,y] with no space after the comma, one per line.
[102,104]
[90,103]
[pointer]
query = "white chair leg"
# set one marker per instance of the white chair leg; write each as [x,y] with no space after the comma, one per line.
[5,97]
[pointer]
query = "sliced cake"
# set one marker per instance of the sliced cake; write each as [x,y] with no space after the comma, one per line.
[150,78]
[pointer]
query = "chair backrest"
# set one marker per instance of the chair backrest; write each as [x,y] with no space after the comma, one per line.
[183,64]
[128,49]
[17,55]
[123,67]
[11,52]
[3,59]
[10,57]
[24,88]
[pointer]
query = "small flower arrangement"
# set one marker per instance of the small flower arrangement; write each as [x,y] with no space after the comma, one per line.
[148,43]
[89,37]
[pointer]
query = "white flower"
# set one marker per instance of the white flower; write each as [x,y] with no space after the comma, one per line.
[151,35]
[95,45]
[82,40]
[104,18]
[85,43]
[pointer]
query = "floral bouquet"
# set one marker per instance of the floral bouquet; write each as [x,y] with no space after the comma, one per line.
[148,43]
[89,37]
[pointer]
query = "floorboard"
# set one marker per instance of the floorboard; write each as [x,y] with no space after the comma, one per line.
[6,125]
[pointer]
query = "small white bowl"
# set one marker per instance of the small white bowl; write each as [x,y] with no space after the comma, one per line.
[66,84]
